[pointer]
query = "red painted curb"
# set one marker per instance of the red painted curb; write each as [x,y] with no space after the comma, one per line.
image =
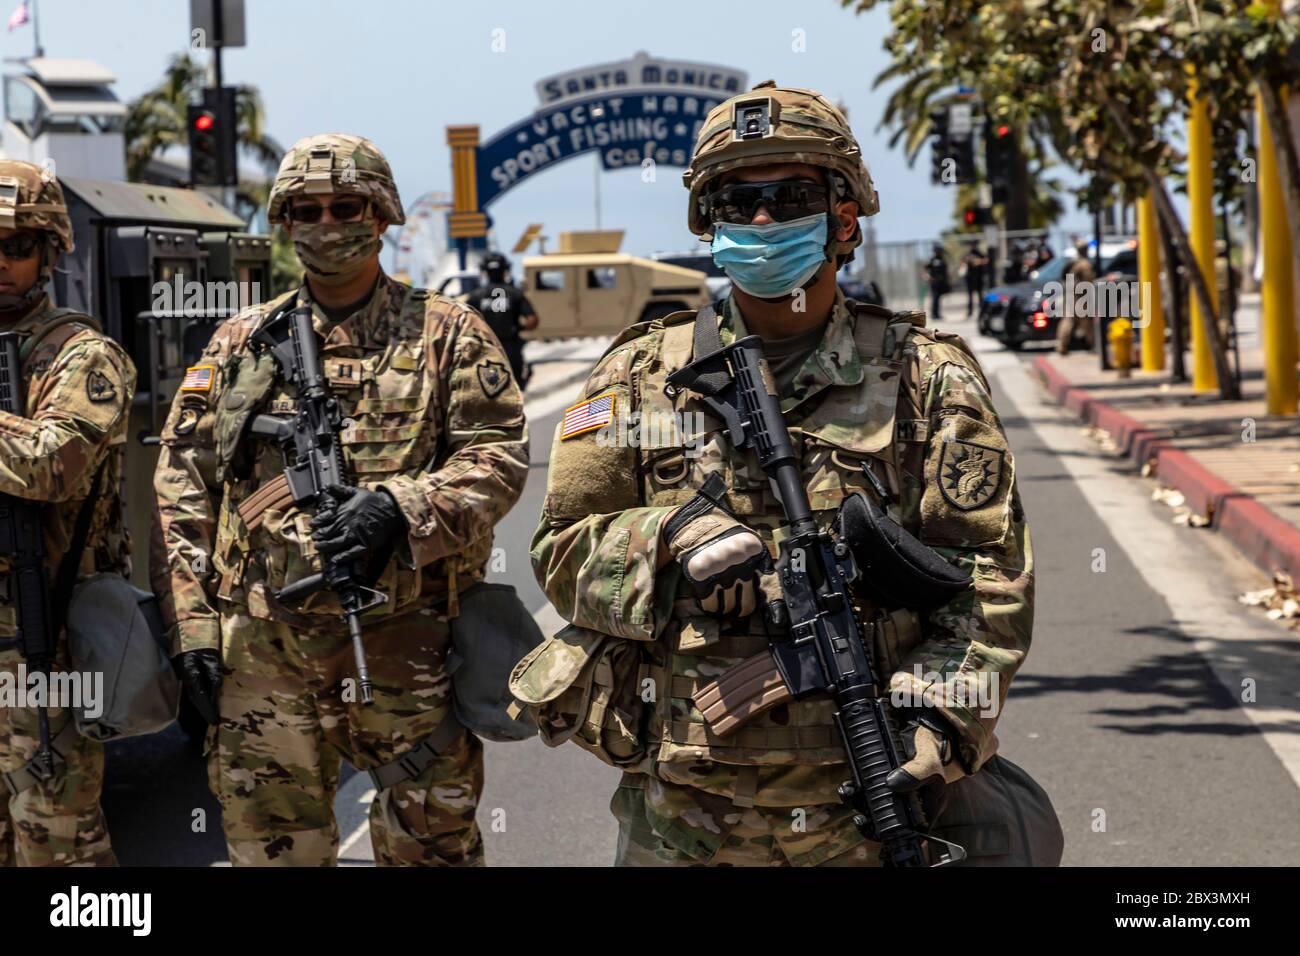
[1254,528]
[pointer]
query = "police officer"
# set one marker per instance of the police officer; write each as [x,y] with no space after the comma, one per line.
[434,439]
[977,265]
[507,310]
[63,450]
[936,273]
[663,584]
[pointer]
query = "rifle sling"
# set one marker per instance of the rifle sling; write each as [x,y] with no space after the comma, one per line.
[65,578]
[414,762]
[708,341]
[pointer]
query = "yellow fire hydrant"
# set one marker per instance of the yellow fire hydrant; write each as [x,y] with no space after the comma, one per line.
[1121,346]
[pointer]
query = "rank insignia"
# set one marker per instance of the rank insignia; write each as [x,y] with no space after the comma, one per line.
[969,474]
[493,377]
[99,388]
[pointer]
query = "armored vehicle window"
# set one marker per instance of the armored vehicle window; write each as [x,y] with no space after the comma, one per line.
[602,278]
[550,280]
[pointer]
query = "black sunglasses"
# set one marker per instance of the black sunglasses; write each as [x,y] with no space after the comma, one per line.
[784,200]
[22,245]
[343,210]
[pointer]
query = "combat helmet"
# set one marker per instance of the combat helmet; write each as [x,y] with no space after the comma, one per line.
[779,124]
[31,198]
[335,163]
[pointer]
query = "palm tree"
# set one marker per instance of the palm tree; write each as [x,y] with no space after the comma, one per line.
[156,120]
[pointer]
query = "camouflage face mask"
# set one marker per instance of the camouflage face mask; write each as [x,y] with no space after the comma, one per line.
[335,252]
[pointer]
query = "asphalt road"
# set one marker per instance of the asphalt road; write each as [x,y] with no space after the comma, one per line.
[1129,709]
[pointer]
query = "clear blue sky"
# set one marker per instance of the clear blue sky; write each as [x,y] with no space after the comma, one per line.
[398,71]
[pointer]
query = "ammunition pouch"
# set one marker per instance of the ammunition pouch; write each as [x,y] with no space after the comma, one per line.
[588,687]
[898,570]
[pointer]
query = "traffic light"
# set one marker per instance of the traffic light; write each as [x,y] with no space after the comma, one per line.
[205,167]
[999,159]
[939,148]
[211,126]
[977,216]
[952,151]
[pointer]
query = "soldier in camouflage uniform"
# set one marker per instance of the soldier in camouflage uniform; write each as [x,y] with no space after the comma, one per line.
[79,384]
[777,182]
[434,437]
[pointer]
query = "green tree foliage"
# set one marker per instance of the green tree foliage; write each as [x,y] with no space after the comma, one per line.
[156,120]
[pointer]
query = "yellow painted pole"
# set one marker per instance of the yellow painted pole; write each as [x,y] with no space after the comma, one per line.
[1153,314]
[1200,198]
[1276,293]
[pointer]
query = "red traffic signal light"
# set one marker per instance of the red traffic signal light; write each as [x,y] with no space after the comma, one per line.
[1003,130]
[971,217]
[212,127]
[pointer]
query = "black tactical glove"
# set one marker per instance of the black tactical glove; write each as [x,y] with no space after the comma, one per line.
[354,524]
[200,672]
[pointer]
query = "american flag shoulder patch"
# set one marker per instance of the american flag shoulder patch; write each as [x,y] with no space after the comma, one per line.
[198,378]
[587,416]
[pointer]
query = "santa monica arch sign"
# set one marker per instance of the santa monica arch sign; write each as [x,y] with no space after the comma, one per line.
[630,112]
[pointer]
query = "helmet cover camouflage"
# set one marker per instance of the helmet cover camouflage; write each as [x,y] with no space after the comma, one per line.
[31,198]
[776,124]
[335,163]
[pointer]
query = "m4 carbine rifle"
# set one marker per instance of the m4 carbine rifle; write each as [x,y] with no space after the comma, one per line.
[22,541]
[313,461]
[817,645]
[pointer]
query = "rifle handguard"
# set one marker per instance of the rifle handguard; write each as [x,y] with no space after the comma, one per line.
[898,570]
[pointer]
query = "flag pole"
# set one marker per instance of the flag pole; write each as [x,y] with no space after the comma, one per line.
[36,30]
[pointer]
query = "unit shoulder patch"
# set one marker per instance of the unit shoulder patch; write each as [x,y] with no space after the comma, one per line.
[99,387]
[969,474]
[493,377]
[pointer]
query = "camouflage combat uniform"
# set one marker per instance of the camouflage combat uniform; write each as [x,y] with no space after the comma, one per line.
[432,416]
[79,387]
[881,391]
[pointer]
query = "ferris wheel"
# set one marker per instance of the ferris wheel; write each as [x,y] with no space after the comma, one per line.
[420,246]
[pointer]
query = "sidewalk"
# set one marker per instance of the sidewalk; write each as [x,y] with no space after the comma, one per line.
[1236,466]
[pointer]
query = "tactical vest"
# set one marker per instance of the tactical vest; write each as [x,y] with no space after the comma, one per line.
[877,424]
[392,400]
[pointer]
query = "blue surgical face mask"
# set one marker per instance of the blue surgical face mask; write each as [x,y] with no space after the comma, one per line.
[772,260]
